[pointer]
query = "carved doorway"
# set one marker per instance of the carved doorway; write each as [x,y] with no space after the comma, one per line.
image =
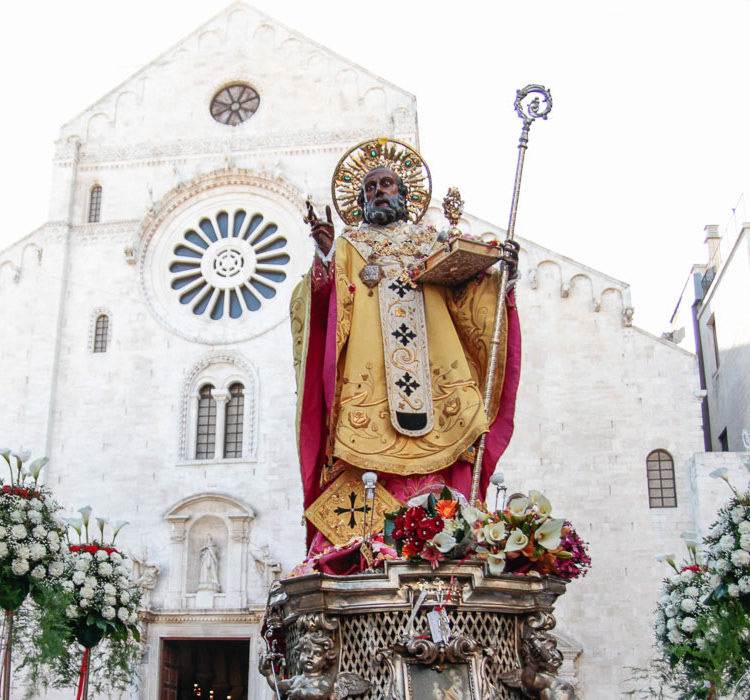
[211,669]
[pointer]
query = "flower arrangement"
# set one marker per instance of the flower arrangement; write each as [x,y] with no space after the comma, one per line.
[31,536]
[318,561]
[521,538]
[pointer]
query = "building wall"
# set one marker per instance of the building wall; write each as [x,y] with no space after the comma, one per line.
[724,310]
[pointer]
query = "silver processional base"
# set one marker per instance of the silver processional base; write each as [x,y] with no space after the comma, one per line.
[411,633]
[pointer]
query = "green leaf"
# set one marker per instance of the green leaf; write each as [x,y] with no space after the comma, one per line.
[431,505]
[13,591]
[136,633]
[445,494]
[388,528]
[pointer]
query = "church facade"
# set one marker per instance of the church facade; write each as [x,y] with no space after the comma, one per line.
[150,356]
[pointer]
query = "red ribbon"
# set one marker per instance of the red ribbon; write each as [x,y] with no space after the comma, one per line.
[82,674]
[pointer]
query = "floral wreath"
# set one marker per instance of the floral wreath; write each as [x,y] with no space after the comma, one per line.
[380,153]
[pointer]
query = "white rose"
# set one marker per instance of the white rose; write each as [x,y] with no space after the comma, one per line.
[54,546]
[35,503]
[744,584]
[19,567]
[105,568]
[722,566]
[123,583]
[110,599]
[56,568]
[39,531]
[675,636]
[68,586]
[3,533]
[86,556]
[700,643]
[733,590]
[23,551]
[109,589]
[714,581]
[670,610]
[38,551]
[675,580]
[71,611]
[3,550]
[692,591]
[87,592]
[689,624]
[660,628]
[744,527]
[84,602]
[101,555]
[687,576]
[35,516]
[115,557]
[133,618]
[688,605]
[726,543]
[123,614]
[91,581]
[108,612]
[745,542]
[740,558]
[18,532]
[671,623]
[124,597]
[16,516]
[78,577]
[120,570]
[82,564]
[665,600]
[38,572]
[738,514]
[52,536]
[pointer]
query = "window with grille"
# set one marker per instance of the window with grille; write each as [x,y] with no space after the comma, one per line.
[205,443]
[661,484]
[233,425]
[95,204]
[101,330]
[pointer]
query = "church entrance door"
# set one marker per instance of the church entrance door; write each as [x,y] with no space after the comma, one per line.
[211,669]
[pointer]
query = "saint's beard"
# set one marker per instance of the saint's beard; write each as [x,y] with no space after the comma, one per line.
[385,214]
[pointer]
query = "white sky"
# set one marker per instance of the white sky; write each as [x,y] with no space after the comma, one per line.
[647,142]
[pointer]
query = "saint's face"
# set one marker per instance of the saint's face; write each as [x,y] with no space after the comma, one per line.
[379,184]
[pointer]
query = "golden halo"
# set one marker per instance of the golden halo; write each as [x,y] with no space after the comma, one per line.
[384,153]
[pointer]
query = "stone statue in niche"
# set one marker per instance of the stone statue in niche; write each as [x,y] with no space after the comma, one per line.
[145,574]
[269,568]
[208,579]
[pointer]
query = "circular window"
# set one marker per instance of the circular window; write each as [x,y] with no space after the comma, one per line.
[227,265]
[220,259]
[234,104]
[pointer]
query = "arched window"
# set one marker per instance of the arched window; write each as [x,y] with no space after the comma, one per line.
[101,331]
[234,416]
[95,204]
[205,442]
[662,492]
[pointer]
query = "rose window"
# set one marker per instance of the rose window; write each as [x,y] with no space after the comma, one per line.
[227,265]
[234,104]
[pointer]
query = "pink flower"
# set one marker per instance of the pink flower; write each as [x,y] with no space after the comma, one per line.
[432,555]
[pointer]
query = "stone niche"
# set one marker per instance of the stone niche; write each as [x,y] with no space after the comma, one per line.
[208,558]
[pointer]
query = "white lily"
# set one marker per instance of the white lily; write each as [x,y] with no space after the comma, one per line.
[722,473]
[496,563]
[36,466]
[418,501]
[23,456]
[518,506]
[669,558]
[102,522]
[516,540]
[443,542]
[471,514]
[494,532]
[117,526]
[549,534]
[541,502]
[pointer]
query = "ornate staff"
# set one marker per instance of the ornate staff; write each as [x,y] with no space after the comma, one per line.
[538,107]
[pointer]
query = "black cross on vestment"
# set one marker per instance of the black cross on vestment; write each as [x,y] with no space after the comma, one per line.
[404,334]
[352,510]
[401,288]
[408,384]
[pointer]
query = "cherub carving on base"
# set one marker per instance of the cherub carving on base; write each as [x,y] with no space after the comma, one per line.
[314,655]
